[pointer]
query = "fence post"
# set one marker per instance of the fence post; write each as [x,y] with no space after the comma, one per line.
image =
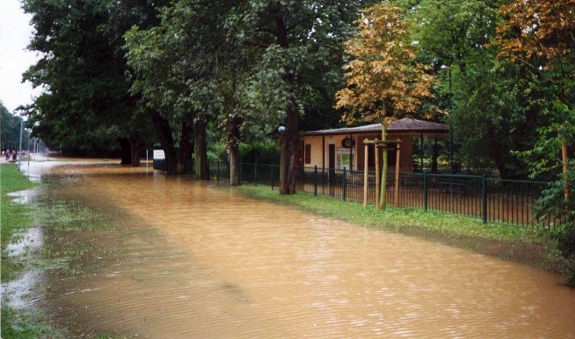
[315,180]
[484,198]
[344,183]
[323,178]
[425,191]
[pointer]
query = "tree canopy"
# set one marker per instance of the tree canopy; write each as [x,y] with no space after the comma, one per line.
[10,130]
[243,64]
[236,70]
[86,106]
[383,81]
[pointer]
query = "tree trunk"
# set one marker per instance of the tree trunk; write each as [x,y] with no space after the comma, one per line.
[234,165]
[382,191]
[164,132]
[500,155]
[289,144]
[136,146]
[135,156]
[233,129]
[200,150]
[290,135]
[186,150]
[125,150]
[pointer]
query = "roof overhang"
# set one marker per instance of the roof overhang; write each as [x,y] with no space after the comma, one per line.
[401,126]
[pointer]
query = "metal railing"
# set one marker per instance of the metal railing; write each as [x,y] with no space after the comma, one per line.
[491,199]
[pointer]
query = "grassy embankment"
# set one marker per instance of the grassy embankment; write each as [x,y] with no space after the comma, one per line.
[525,245]
[15,219]
[60,253]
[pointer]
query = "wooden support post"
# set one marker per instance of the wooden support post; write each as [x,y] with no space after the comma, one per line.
[377,179]
[397,157]
[378,145]
[365,175]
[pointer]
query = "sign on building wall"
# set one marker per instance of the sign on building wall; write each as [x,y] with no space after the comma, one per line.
[343,158]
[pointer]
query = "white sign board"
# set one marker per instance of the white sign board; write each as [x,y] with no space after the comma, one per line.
[159,154]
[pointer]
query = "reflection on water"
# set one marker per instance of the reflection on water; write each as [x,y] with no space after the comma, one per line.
[201,261]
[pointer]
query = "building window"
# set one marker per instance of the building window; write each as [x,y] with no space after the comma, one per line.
[307,154]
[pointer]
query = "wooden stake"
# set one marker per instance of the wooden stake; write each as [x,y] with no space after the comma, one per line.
[365,175]
[397,157]
[376,150]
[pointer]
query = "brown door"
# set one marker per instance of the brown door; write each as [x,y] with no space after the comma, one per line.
[331,156]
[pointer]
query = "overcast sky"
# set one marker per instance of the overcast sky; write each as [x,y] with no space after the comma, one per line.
[15,34]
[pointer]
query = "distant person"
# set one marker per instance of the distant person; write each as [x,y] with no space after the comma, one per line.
[15,155]
[8,154]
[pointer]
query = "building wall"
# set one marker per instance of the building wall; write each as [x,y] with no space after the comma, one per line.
[406,154]
[319,146]
[316,151]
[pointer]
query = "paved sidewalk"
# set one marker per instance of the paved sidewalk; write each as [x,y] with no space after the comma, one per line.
[3,159]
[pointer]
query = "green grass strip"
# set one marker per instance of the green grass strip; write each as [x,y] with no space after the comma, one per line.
[397,218]
[14,218]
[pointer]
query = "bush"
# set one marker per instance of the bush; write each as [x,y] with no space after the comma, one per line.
[262,152]
[554,206]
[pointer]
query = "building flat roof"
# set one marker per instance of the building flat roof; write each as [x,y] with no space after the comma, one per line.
[405,125]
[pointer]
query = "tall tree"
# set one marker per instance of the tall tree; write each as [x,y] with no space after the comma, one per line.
[383,81]
[541,34]
[178,67]
[86,104]
[453,33]
[294,39]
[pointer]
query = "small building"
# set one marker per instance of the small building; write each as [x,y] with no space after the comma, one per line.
[340,148]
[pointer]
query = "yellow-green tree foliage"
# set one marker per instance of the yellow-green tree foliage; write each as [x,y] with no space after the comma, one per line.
[540,33]
[384,82]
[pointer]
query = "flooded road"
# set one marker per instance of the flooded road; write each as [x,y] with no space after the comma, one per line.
[201,261]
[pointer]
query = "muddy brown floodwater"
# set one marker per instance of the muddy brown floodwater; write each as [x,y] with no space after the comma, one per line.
[201,261]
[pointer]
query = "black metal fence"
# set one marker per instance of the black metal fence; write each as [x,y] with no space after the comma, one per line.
[256,174]
[491,199]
